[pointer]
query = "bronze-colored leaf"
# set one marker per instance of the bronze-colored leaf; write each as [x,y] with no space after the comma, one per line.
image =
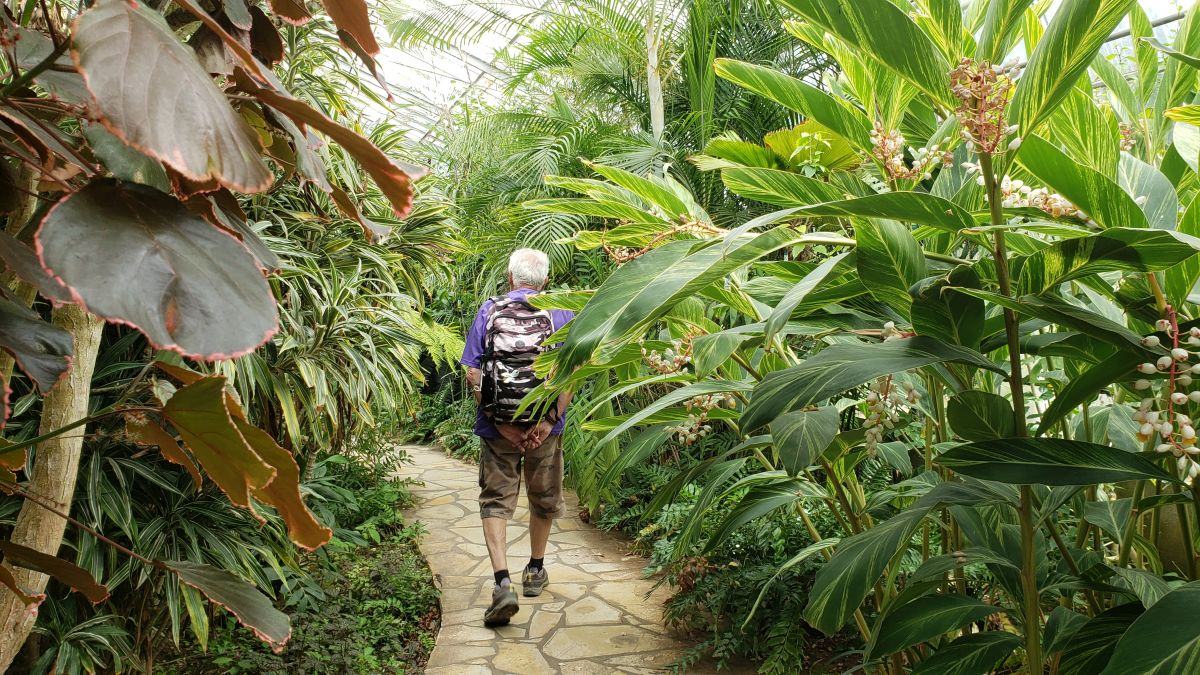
[283,492]
[64,572]
[143,431]
[10,582]
[291,11]
[152,93]
[217,215]
[238,13]
[393,181]
[42,350]
[264,38]
[23,262]
[351,17]
[30,48]
[214,57]
[199,412]
[184,375]
[345,203]
[253,609]
[135,255]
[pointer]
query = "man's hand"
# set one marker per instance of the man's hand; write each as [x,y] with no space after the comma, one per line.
[513,434]
[537,434]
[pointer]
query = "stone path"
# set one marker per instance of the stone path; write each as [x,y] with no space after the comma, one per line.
[594,617]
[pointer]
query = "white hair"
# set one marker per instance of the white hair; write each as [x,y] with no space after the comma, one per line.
[529,267]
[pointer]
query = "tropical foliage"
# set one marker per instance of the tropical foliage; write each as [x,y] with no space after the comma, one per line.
[958,356]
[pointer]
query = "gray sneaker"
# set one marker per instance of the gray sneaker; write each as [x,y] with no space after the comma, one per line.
[504,606]
[533,581]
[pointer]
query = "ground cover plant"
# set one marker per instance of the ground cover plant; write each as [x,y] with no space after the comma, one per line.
[969,340]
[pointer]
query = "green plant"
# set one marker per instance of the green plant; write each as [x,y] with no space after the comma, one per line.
[1010,260]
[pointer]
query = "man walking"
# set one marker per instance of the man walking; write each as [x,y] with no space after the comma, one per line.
[508,333]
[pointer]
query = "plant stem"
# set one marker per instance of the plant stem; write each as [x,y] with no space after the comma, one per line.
[1032,607]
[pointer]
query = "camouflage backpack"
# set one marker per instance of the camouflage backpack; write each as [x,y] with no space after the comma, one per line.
[514,336]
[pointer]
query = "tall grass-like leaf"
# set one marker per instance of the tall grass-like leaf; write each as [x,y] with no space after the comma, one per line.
[1000,23]
[924,619]
[1062,56]
[1116,249]
[882,31]
[919,208]
[774,186]
[829,269]
[970,654]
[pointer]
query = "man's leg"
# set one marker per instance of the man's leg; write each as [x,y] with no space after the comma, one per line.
[543,485]
[499,483]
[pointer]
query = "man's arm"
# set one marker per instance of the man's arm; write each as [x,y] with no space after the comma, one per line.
[475,381]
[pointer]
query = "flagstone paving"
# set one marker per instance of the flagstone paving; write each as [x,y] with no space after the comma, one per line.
[598,615]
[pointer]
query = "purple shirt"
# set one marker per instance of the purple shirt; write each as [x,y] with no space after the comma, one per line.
[477,344]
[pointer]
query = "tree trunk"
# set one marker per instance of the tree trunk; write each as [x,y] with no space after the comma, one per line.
[653,78]
[55,467]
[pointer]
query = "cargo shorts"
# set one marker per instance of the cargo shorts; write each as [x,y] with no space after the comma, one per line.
[501,465]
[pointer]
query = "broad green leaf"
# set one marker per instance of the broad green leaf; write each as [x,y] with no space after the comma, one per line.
[714,349]
[911,207]
[1186,59]
[803,435]
[891,259]
[881,31]
[940,311]
[1115,249]
[844,366]
[1146,183]
[674,397]
[1111,516]
[924,619]
[1147,586]
[123,161]
[1001,21]
[1093,645]
[1182,278]
[1084,387]
[829,111]
[1164,640]
[844,581]
[253,609]
[829,269]
[1073,38]
[1061,626]
[980,416]
[1188,114]
[1091,135]
[1049,461]
[283,492]
[672,199]
[1099,197]
[973,654]
[200,413]
[138,72]
[136,255]
[759,501]
[648,287]
[781,188]
[804,554]
[599,208]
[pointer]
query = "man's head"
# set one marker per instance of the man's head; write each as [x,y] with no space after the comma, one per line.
[528,268]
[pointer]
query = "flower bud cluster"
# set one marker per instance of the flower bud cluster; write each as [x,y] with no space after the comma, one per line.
[889,147]
[885,401]
[696,426]
[1015,194]
[983,91]
[1127,139]
[671,360]
[1158,415]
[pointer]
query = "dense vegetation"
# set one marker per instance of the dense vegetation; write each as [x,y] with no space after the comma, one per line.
[901,378]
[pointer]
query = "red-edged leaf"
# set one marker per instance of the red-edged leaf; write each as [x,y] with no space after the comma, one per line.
[291,11]
[238,13]
[134,255]
[208,209]
[345,203]
[393,180]
[42,350]
[283,493]
[152,93]
[199,412]
[10,582]
[67,573]
[143,431]
[253,609]
[23,262]
[214,57]
[264,38]
[350,16]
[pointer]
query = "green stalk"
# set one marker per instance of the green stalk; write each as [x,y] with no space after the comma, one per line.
[1032,613]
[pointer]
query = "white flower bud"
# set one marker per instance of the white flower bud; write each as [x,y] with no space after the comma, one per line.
[1179,398]
[1183,463]
[1180,354]
[1184,380]
[1147,429]
[1194,397]
[1162,324]
[1151,341]
[1148,368]
[1141,385]
[1164,362]
[1163,447]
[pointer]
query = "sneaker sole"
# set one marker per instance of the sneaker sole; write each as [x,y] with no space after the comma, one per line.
[532,591]
[501,614]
